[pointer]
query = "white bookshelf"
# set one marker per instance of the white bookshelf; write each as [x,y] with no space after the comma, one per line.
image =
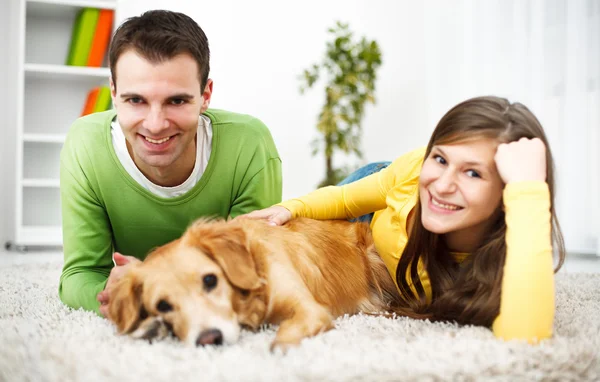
[49,97]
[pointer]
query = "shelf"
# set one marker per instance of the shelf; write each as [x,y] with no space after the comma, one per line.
[44,138]
[41,204]
[41,163]
[57,8]
[39,235]
[64,71]
[41,183]
[63,100]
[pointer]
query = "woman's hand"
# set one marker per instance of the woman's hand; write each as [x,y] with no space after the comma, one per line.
[275,215]
[523,160]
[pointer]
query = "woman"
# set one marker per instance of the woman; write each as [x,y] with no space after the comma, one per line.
[464,226]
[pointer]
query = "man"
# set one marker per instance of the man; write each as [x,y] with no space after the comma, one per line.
[135,177]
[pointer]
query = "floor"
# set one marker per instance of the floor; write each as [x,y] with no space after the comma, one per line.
[573,263]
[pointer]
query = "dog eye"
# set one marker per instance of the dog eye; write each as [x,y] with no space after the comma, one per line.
[209,281]
[164,306]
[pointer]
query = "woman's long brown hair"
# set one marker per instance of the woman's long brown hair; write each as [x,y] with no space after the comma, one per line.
[469,293]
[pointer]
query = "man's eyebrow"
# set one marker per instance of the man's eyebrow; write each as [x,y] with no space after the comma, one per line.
[469,163]
[184,96]
[130,95]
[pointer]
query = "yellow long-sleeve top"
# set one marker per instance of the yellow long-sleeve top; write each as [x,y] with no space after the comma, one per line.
[527,299]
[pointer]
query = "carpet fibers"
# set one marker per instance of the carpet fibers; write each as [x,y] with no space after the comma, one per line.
[42,340]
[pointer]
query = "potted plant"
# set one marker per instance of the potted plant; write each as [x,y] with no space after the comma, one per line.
[350,70]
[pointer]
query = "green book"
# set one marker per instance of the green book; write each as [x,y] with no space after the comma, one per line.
[82,36]
[103,101]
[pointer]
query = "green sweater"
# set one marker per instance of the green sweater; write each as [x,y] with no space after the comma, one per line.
[105,210]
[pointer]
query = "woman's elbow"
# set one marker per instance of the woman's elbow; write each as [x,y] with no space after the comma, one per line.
[531,334]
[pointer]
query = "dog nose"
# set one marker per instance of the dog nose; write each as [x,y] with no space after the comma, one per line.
[210,337]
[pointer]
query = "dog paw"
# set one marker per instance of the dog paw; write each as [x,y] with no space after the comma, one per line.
[152,328]
[282,346]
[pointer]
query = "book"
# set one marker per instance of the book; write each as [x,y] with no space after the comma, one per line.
[90,102]
[104,100]
[82,36]
[101,38]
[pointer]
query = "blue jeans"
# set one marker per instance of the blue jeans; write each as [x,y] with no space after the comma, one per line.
[363,172]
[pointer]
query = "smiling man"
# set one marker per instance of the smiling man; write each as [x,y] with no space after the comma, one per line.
[135,177]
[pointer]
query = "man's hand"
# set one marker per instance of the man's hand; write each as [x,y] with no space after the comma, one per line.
[523,160]
[116,273]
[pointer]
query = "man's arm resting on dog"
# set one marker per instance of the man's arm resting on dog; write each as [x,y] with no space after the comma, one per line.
[87,238]
[261,190]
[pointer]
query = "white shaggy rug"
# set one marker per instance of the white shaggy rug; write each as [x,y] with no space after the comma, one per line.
[42,340]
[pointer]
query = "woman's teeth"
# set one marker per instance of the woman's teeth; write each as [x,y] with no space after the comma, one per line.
[445,206]
[159,141]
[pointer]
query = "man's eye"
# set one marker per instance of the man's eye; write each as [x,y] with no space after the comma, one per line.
[209,281]
[439,159]
[178,101]
[134,100]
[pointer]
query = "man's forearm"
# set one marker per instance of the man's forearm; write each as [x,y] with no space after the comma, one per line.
[79,290]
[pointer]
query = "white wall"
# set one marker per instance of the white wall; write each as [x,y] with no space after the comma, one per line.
[545,54]
[435,54]
[259,49]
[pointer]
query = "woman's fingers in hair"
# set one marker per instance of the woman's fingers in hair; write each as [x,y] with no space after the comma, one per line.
[522,160]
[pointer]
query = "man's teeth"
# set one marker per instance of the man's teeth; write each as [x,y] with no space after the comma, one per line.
[159,141]
[445,206]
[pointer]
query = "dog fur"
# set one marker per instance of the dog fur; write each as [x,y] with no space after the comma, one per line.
[222,275]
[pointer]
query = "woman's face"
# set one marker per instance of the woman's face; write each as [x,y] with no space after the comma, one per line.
[461,192]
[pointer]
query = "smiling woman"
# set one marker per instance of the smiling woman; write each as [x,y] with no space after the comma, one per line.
[464,226]
[461,198]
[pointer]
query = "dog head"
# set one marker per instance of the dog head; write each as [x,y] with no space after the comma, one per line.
[200,288]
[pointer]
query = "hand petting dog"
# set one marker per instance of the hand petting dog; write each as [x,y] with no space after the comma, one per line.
[115,275]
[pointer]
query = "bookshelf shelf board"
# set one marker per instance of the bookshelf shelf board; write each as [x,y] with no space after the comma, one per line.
[44,138]
[64,71]
[44,183]
[40,235]
[45,8]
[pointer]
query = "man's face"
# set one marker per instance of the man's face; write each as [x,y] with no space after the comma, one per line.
[158,107]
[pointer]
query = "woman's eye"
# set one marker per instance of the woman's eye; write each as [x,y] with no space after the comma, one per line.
[439,159]
[209,281]
[163,306]
[473,174]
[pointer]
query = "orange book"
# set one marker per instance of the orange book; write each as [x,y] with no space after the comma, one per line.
[90,102]
[101,38]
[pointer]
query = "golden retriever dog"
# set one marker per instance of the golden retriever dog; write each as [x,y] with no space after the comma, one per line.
[220,276]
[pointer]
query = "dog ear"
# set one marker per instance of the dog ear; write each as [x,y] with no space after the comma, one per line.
[227,244]
[125,306]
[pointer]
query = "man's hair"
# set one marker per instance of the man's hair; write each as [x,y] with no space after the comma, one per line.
[158,36]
